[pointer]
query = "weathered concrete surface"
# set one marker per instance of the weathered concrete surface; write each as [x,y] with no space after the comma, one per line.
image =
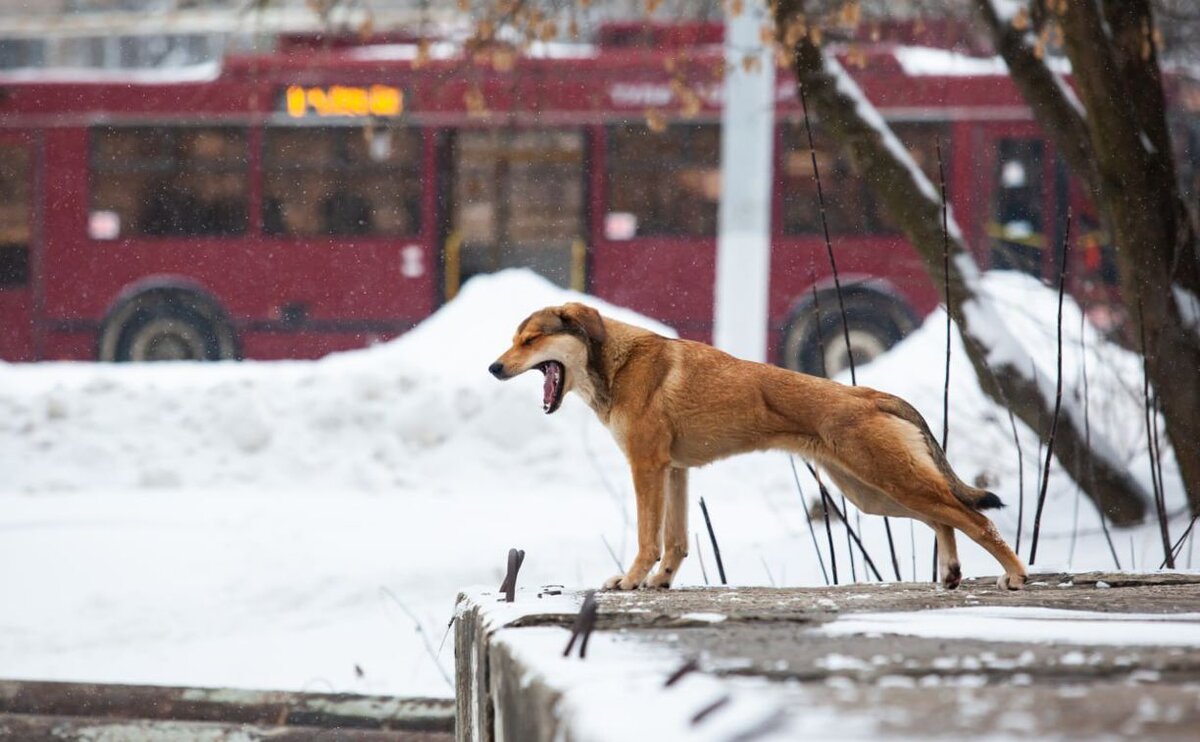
[27,728]
[768,643]
[226,705]
[34,710]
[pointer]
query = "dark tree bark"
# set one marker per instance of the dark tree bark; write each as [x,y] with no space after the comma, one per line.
[1120,145]
[912,202]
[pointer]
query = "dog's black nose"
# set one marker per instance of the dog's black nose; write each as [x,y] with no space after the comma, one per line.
[497,369]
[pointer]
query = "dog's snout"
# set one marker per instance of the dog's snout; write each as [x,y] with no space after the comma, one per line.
[497,369]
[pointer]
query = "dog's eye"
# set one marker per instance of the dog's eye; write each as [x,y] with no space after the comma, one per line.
[529,340]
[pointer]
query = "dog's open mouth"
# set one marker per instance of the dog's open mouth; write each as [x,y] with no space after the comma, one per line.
[553,386]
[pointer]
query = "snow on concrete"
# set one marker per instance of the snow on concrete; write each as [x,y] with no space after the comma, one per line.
[1027,624]
[272,525]
[617,693]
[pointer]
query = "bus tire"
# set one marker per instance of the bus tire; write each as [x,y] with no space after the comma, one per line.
[168,326]
[873,326]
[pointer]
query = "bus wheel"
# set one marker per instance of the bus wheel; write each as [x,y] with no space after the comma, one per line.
[167,327]
[823,352]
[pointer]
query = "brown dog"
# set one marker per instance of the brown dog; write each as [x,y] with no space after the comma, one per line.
[675,404]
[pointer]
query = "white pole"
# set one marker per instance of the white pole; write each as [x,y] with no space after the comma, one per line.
[744,218]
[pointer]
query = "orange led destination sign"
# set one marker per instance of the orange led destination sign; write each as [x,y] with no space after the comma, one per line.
[304,101]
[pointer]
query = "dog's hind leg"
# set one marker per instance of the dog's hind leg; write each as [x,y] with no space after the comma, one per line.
[980,529]
[649,481]
[948,564]
[886,459]
[674,535]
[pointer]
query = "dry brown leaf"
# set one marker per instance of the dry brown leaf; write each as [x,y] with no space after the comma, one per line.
[475,103]
[1020,20]
[656,121]
[504,60]
[856,57]
[423,56]
[850,15]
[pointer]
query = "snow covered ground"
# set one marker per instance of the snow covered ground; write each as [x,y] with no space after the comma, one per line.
[306,525]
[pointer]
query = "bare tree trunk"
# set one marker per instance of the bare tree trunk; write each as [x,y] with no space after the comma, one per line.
[1117,141]
[1004,371]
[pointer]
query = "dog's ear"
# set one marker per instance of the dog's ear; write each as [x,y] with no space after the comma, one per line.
[585,318]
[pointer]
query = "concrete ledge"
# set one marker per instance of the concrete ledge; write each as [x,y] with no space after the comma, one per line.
[1074,655]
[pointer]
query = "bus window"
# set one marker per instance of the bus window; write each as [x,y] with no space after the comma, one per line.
[342,180]
[1017,224]
[850,203]
[517,199]
[166,181]
[14,216]
[664,183]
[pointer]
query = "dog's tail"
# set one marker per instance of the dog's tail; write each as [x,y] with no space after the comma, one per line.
[972,497]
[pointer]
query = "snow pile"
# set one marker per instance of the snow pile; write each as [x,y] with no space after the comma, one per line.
[980,442]
[418,411]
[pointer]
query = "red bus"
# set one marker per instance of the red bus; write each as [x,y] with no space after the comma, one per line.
[326,196]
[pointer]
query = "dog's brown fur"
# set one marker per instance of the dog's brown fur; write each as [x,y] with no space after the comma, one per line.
[675,404]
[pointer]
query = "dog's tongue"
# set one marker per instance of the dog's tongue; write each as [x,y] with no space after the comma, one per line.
[550,385]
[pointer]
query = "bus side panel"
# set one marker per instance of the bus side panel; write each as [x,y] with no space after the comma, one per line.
[799,262]
[287,297]
[74,288]
[670,280]
[16,326]
[279,346]
[18,246]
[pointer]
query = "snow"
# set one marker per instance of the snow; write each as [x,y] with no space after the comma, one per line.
[440,50]
[271,525]
[1068,92]
[1028,624]
[200,72]
[1007,10]
[1004,348]
[921,61]
[867,111]
[390,416]
[1189,307]
[926,61]
[444,50]
[623,673]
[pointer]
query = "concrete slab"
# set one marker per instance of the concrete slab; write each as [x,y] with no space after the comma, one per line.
[1099,654]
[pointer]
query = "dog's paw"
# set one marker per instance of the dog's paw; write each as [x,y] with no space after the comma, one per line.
[952,578]
[1011,582]
[658,581]
[619,582]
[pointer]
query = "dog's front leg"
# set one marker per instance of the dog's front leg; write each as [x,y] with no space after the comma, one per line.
[649,480]
[675,536]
